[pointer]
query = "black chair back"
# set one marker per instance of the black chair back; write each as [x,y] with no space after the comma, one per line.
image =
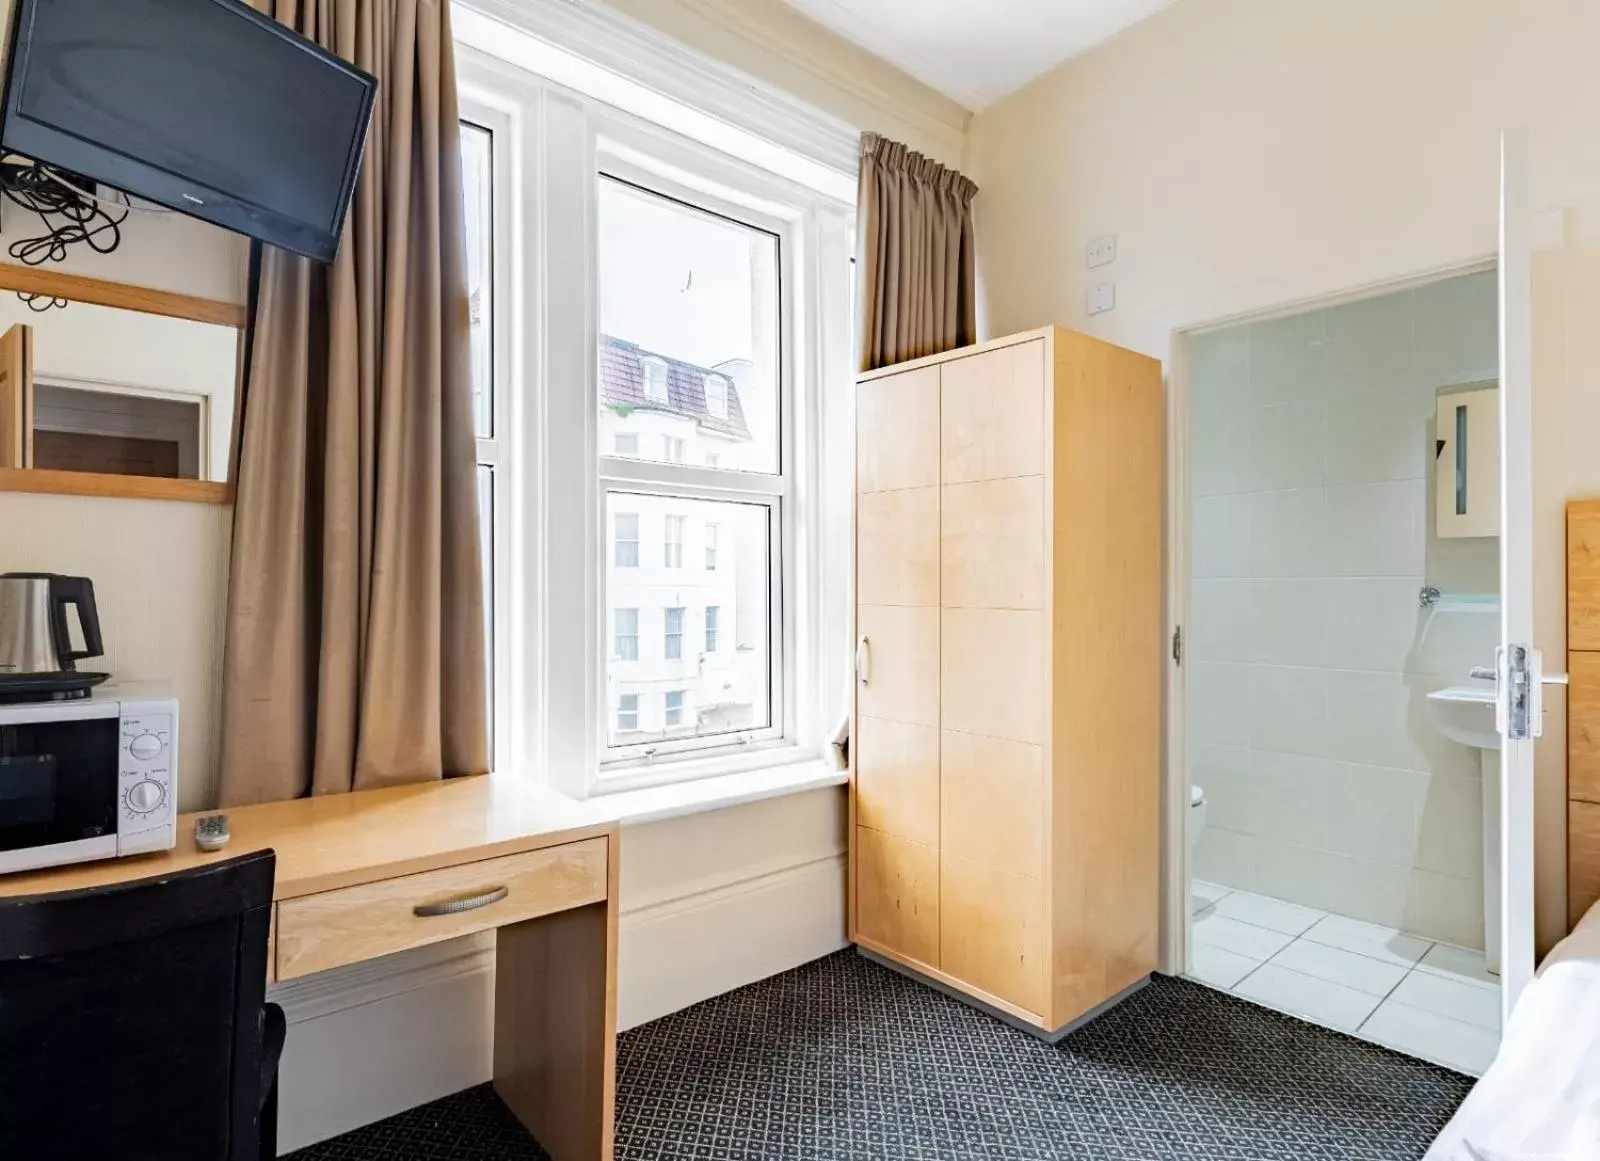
[131,1018]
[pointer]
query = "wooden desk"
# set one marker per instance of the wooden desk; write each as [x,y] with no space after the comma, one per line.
[364,875]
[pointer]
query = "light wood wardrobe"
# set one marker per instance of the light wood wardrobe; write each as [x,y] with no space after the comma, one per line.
[1004,809]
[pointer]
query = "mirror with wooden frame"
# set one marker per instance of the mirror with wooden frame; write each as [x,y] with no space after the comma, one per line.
[108,389]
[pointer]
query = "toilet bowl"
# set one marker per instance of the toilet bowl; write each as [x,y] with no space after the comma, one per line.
[1197,815]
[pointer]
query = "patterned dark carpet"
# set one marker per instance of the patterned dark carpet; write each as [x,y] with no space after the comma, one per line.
[845,1059]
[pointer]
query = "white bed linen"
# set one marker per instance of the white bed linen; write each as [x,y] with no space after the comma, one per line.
[1540,1100]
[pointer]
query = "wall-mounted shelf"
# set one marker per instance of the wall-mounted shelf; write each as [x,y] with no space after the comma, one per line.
[1431,598]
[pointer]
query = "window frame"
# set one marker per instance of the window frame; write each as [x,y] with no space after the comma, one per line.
[617,541]
[620,158]
[672,641]
[712,624]
[502,614]
[724,387]
[618,653]
[657,385]
[674,531]
[555,634]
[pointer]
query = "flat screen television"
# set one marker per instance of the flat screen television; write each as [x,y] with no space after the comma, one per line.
[204,106]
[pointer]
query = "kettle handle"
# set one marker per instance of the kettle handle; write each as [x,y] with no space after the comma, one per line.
[79,591]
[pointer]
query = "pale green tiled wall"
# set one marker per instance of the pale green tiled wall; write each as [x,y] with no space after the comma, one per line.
[1312,500]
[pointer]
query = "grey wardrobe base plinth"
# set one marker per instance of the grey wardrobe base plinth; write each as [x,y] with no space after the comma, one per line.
[1034,1030]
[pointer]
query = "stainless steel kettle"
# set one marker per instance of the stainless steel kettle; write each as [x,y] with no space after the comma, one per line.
[34,635]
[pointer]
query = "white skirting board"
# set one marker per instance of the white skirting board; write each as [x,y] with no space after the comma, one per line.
[404,1031]
[373,1040]
[679,953]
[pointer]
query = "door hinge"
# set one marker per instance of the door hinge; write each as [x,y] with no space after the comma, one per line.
[1177,645]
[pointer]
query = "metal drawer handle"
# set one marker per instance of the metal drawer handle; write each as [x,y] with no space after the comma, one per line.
[457,906]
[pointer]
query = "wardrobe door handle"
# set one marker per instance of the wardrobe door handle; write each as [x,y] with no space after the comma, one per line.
[864,660]
[457,906]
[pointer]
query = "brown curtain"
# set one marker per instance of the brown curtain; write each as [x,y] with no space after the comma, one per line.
[915,262]
[355,632]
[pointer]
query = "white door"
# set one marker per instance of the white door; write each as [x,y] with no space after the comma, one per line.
[1519,674]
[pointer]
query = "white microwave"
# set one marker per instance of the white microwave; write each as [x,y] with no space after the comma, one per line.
[89,779]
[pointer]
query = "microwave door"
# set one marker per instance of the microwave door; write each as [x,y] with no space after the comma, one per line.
[58,784]
[27,801]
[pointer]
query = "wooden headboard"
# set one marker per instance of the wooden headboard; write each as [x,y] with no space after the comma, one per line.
[1583,706]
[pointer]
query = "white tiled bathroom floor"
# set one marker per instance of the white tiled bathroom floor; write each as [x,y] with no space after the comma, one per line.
[1422,998]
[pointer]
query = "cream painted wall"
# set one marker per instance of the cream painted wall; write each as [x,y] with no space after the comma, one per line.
[771,41]
[1251,154]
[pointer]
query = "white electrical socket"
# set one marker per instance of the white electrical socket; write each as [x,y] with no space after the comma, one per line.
[1101,251]
[1102,296]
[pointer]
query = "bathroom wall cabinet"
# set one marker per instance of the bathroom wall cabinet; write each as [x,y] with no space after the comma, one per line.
[1467,480]
[1005,821]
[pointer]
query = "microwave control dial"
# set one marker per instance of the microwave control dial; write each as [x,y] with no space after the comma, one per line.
[143,797]
[146,746]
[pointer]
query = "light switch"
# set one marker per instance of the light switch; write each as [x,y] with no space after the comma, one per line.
[1102,297]
[1101,251]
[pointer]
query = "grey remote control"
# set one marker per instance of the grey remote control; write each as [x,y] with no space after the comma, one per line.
[211,832]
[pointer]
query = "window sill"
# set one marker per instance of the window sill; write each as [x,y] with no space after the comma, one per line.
[658,803]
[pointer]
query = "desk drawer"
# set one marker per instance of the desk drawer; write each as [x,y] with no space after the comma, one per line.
[323,931]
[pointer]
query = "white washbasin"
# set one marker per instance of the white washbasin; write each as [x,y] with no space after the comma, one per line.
[1465,714]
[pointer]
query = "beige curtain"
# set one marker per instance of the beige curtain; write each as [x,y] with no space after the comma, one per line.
[355,640]
[915,262]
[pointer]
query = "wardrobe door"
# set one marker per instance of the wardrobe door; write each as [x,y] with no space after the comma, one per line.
[897,537]
[992,797]
[992,414]
[992,934]
[897,431]
[994,712]
[896,742]
[897,896]
[897,780]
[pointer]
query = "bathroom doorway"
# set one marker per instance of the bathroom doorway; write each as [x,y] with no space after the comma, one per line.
[1343,573]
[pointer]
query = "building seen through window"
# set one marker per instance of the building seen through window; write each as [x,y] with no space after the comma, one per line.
[688,379]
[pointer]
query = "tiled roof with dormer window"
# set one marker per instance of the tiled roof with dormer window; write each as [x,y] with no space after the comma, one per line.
[622,386]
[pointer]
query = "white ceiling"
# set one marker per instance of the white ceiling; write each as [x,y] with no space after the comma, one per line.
[977,51]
